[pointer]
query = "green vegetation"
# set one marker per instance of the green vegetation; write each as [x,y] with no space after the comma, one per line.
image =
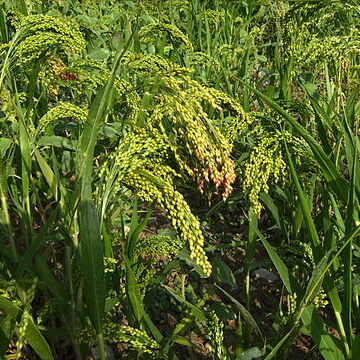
[158,158]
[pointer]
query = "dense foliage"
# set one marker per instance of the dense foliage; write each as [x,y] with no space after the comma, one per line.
[179,179]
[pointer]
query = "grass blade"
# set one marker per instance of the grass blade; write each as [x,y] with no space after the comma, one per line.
[91,250]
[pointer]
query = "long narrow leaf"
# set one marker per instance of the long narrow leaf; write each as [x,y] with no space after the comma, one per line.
[92,263]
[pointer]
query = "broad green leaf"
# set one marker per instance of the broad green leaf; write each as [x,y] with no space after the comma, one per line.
[99,54]
[283,271]
[92,263]
[326,344]
[222,272]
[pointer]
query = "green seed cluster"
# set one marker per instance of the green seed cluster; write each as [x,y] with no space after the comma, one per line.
[21,331]
[163,9]
[109,264]
[83,75]
[41,34]
[216,335]
[265,161]
[135,338]
[214,17]
[152,31]
[7,105]
[145,63]
[298,256]
[200,58]
[201,141]
[115,333]
[90,71]
[182,219]
[150,251]
[138,150]
[46,311]
[321,31]
[140,163]
[6,290]
[153,246]
[60,112]
[321,300]
[291,308]
[144,273]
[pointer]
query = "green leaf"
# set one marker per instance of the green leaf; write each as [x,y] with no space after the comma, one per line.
[326,344]
[283,271]
[247,316]
[48,173]
[53,286]
[136,232]
[92,263]
[184,341]
[250,354]
[99,54]
[304,207]
[275,350]
[7,326]
[223,273]
[133,291]
[314,285]
[194,309]
[223,311]
[57,141]
[355,350]
[32,334]
[185,256]
[5,143]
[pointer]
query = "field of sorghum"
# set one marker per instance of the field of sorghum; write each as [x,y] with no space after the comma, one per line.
[179,179]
